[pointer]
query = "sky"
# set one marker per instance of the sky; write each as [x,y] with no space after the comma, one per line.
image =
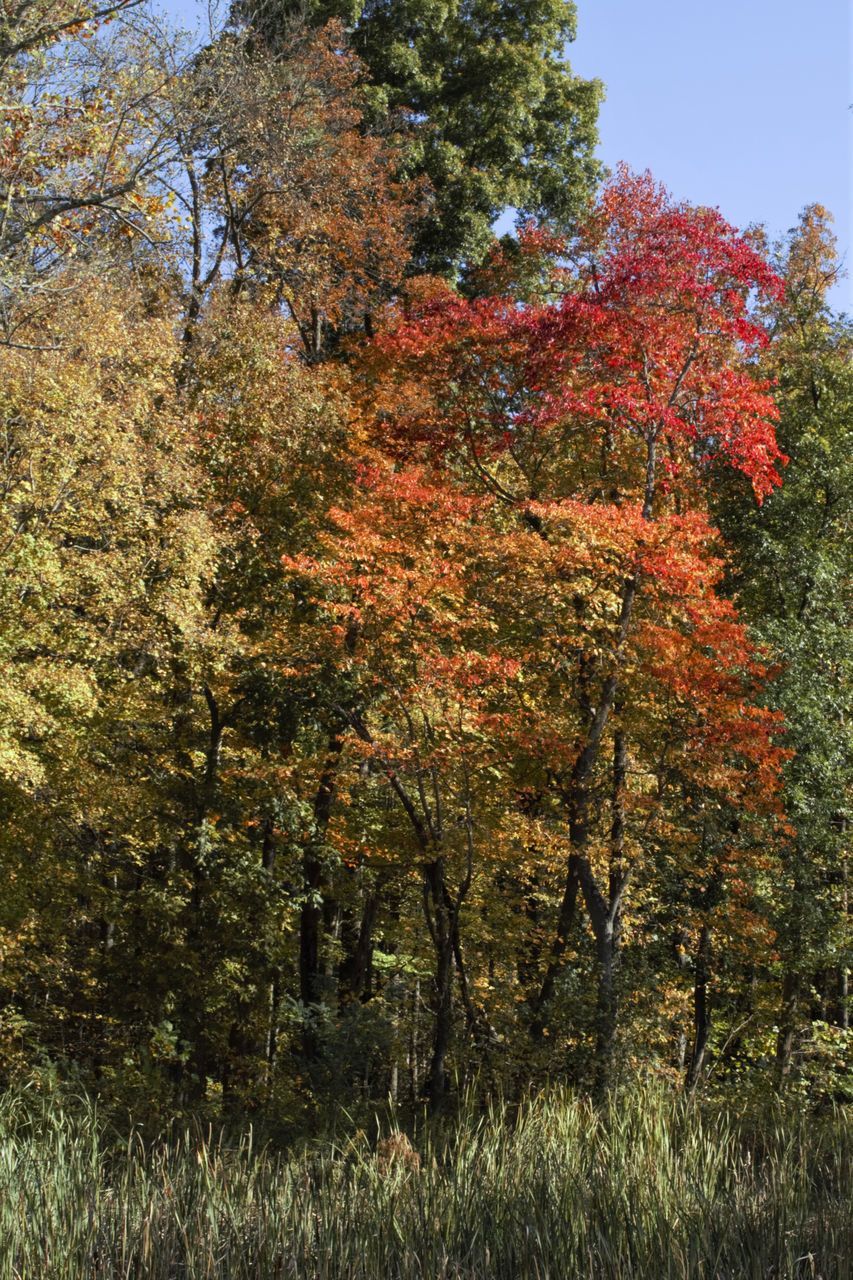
[744,105]
[739,104]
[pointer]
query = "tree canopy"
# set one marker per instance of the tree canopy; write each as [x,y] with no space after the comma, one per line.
[422,659]
[497,118]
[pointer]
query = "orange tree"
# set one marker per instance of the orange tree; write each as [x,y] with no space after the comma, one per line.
[282,184]
[420,720]
[590,414]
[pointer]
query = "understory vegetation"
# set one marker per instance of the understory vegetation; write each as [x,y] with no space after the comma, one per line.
[647,1188]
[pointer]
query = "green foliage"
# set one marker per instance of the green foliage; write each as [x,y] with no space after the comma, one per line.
[649,1189]
[791,571]
[499,119]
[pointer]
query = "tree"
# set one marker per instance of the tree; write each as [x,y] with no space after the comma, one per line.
[425,685]
[594,419]
[791,575]
[105,549]
[498,119]
[85,144]
[310,234]
[282,186]
[375,692]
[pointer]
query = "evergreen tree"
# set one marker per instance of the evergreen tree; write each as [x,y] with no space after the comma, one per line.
[500,120]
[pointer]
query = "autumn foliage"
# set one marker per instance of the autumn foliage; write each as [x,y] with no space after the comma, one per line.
[377,704]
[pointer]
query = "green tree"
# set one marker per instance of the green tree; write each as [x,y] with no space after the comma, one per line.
[792,574]
[499,120]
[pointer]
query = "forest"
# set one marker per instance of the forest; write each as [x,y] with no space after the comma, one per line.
[424,656]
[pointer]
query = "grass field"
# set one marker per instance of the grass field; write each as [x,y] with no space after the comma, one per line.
[645,1188]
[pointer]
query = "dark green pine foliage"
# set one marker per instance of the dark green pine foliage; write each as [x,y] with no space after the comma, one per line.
[501,121]
[792,573]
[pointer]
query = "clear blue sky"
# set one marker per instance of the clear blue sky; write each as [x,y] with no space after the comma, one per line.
[740,104]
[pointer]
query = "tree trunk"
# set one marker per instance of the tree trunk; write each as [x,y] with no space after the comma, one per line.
[791,986]
[844,982]
[201,921]
[440,926]
[609,937]
[787,1027]
[565,920]
[414,1045]
[357,950]
[701,1009]
[310,985]
[607,949]
[605,913]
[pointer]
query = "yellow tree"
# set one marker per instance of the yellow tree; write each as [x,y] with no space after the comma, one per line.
[105,548]
[86,138]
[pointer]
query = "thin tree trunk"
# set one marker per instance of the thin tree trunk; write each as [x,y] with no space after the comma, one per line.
[357,950]
[701,1009]
[605,913]
[195,1072]
[268,861]
[844,983]
[791,990]
[311,914]
[610,938]
[786,1037]
[440,927]
[414,1056]
[565,920]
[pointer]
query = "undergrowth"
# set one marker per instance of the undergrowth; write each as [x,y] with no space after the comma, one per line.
[646,1188]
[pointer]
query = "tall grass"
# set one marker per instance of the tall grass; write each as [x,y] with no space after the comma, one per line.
[646,1189]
